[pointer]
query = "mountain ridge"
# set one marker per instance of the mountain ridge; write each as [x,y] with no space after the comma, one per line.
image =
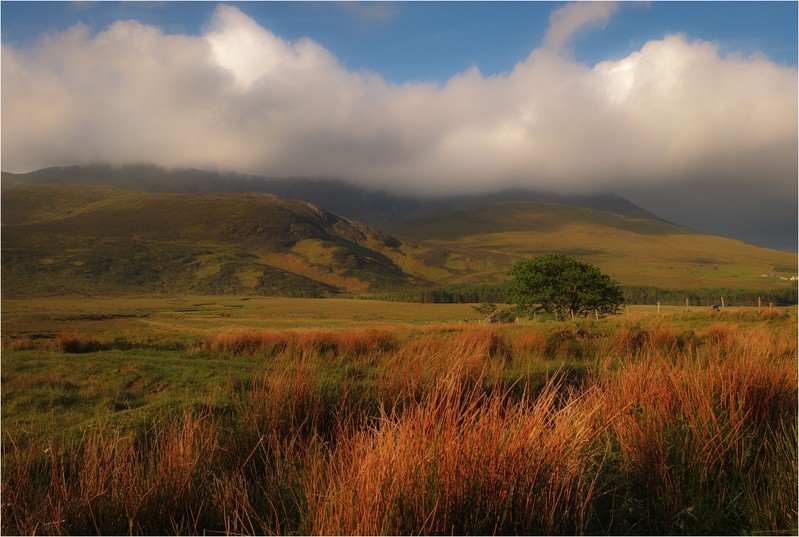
[376,208]
[72,237]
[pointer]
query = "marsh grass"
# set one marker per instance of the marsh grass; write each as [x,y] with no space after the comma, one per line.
[642,427]
[464,462]
[353,342]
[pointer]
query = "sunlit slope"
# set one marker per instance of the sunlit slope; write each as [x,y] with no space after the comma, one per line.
[633,250]
[64,238]
[68,239]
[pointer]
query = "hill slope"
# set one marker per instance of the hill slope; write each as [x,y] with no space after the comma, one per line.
[635,250]
[95,239]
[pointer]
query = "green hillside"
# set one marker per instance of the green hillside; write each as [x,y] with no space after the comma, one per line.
[95,240]
[632,250]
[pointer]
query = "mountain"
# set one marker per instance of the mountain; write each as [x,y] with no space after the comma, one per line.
[374,208]
[77,230]
[99,239]
[635,250]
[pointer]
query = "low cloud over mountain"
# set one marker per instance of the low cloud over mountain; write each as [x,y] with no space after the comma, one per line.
[675,123]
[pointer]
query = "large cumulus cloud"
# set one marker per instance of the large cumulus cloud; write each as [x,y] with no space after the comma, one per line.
[241,98]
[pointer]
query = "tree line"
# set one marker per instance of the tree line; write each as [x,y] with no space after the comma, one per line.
[450,294]
[709,296]
[648,295]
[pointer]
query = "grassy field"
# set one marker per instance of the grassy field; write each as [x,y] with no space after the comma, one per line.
[184,316]
[231,415]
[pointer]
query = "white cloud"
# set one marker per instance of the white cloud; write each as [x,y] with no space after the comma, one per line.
[250,52]
[241,98]
[566,21]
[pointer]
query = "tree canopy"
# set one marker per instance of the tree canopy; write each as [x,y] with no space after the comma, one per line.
[563,286]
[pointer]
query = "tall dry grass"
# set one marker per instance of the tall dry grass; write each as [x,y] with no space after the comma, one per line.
[694,446]
[351,342]
[465,462]
[389,432]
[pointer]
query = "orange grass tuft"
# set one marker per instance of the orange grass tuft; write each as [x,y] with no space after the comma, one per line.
[352,342]
[75,344]
[463,462]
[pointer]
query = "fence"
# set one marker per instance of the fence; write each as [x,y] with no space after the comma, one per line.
[722,304]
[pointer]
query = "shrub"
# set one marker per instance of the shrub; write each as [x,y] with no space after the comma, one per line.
[73,344]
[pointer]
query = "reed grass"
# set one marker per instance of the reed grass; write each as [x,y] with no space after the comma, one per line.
[352,342]
[460,430]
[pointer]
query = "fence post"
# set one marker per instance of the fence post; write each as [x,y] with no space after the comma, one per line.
[686,305]
[758,305]
[722,302]
[658,307]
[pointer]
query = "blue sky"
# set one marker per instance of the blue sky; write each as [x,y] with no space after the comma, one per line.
[687,108]
[414,41]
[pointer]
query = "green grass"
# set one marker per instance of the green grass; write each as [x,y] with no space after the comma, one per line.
[187,317]
[150,355]
[150,350]
[76,390]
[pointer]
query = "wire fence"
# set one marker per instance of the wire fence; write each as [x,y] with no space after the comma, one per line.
[723,302]
[711,297]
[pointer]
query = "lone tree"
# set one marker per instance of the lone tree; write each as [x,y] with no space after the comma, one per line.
[564,286]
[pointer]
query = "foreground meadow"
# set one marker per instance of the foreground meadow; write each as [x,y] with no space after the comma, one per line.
[684,423]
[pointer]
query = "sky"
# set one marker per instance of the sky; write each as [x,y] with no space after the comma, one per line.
[687,108]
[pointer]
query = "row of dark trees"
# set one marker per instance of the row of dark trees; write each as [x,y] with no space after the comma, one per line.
[451,294]
[498,294]
[709,296]
[543,275]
